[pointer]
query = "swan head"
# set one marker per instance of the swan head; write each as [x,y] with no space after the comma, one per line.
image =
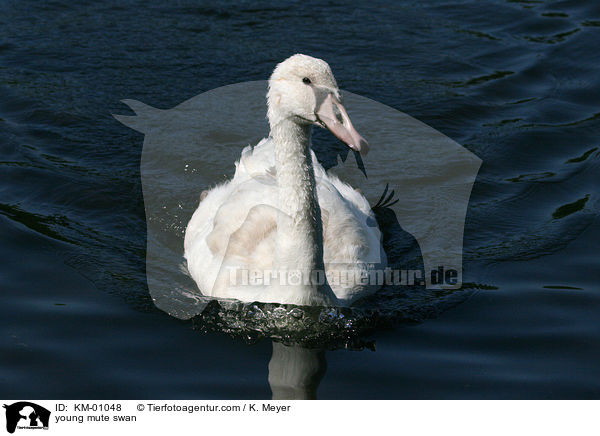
[303,89]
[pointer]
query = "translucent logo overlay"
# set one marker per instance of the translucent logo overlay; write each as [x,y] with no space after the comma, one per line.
[195,145]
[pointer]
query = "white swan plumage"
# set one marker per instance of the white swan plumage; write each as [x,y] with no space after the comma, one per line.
[282,225]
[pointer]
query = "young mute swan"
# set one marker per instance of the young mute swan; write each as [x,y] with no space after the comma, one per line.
[283,230]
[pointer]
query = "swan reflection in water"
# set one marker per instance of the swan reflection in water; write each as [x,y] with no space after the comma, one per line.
[295,372]
[300,338]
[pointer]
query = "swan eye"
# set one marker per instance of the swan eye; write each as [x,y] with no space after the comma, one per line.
[306,80]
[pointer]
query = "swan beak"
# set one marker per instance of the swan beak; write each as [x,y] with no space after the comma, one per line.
[332,114]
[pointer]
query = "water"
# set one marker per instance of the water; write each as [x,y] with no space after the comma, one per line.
[514,82]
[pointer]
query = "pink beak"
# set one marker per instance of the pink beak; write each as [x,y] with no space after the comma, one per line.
[333,114]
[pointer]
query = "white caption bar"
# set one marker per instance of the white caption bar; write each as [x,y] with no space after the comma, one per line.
[251,417]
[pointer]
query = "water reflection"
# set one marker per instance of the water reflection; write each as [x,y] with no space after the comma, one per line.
[295,372]
[300,337]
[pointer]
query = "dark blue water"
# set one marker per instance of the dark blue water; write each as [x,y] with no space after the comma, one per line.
[515,82]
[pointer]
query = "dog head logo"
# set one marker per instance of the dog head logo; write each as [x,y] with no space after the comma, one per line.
[26,415]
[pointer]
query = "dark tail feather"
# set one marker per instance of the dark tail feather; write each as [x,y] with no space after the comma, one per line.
[385,200]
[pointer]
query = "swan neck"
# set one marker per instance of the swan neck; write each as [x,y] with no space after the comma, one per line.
[295,172]
[299,240]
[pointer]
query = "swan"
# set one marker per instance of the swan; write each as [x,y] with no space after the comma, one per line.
[283,230]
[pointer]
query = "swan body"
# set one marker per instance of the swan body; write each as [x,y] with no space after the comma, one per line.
[283,230]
